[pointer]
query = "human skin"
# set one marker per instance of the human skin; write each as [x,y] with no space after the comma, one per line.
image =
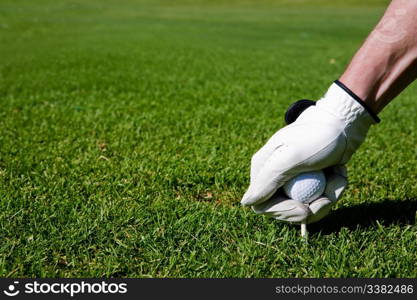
[386,63]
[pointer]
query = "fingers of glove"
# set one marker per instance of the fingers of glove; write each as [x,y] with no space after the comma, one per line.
[287,155]
[274,173]
[283,209]
[336,182]
[319,209]
[262,155]
[336,178]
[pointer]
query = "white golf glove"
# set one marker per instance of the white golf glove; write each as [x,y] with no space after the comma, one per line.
[323,136]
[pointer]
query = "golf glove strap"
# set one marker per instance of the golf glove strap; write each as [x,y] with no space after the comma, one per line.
[324,135]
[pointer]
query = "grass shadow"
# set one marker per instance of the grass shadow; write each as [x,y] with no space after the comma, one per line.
[401,212]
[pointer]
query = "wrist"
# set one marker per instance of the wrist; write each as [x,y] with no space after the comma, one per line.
[369,109]
[346,107]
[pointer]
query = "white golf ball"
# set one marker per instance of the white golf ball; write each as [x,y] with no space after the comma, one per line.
[306,187]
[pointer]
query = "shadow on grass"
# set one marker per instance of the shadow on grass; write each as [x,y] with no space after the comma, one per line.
[401,212]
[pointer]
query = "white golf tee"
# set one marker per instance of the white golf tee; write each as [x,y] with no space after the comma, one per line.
[304,232]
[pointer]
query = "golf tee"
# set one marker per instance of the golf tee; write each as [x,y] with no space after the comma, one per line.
[304,232]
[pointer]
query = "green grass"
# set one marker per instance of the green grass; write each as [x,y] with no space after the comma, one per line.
[127,128]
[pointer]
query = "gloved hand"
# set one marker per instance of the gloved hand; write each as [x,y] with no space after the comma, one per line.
[324,135]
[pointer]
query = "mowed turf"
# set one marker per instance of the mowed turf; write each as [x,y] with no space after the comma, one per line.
[127,128]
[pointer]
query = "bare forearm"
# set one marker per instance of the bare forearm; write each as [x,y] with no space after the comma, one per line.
[387,61]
